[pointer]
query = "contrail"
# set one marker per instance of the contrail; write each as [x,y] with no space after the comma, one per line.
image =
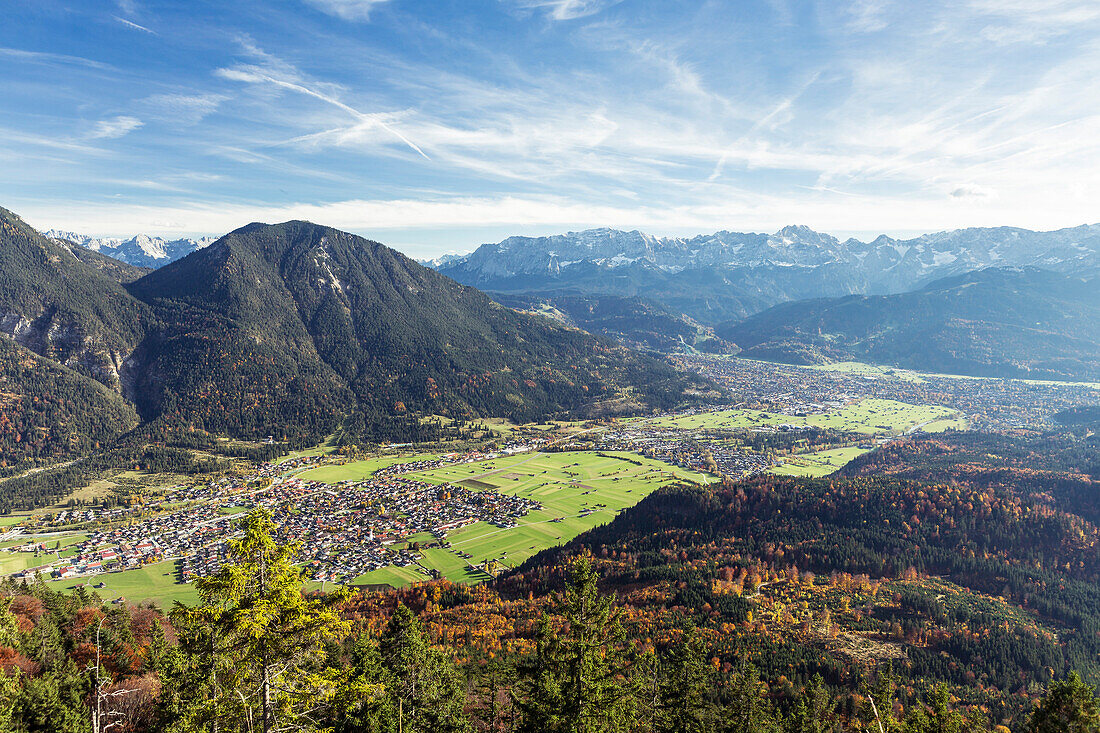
[361,116]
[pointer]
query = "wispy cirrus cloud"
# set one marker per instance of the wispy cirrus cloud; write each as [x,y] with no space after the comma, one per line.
[347,9]
[47,58]
[185,109]
[114,127]
[567,9]
[547,114]
[273,71]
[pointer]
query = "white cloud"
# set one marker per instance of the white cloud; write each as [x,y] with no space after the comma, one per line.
[187,109]
[114,127]
[347,9]
[39,57]
[274,71]
[868,16]
[568,9]
[972,191]
[734,210]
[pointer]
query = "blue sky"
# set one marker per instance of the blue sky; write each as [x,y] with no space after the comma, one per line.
[435,126]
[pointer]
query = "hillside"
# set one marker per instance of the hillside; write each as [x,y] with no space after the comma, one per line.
[49,412]
[635,322]
[299,325]
[994,322]
[60,306]
[834,575]
[295,330]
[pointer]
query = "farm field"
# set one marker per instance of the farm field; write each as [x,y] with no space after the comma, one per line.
[14,562]
[865,417]
[393,575]
[871,370]
[569,485]
[817,464]
[156,583]
[359,470]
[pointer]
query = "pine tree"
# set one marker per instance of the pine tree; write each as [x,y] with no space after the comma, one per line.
[1070,706]
[748,709]
[264,641]
[494,687]
[684,689]
[423,684]
[9,692]
[375,712]
[576,682]
[813,711]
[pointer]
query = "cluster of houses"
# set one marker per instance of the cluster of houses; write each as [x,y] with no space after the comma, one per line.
[345,531]
[686,452]
[989,404]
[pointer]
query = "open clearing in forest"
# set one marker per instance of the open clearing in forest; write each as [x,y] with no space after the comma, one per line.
[579,490]
[817,464]
[865,417]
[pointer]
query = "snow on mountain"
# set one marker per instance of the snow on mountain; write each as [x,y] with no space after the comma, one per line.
[886,264]
[141,250]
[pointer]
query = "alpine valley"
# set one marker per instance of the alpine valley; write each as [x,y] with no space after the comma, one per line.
[283,478]
[569,498]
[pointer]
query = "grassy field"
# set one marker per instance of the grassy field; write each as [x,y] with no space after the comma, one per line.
[393,576]
[821,463]
[866,417]
[871,370]
[156,583]
[570,487]
[359,470]
[14,562]
[859,367]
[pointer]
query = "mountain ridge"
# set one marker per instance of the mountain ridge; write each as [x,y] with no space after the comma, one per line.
[140,250]
[296,329]
[715,277]
[1001,322]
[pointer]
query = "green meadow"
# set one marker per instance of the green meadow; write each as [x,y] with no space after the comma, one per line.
[155,583]
[865,417]
[817,464]
[579,490]
[359,470]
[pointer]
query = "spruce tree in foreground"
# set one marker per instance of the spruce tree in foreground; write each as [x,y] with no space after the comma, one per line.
[684,689]
[253,650]
[575,683]
[1070,706]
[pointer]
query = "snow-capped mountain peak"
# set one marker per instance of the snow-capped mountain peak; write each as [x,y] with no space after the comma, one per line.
[141,250]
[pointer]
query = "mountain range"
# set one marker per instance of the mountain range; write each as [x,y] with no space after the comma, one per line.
[140,250]
[717,277]
[986,301]
[296,330]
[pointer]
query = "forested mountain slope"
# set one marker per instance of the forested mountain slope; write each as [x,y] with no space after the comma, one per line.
[297,329]
[994,322]
[49,412]
[634,321]
[70,310]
